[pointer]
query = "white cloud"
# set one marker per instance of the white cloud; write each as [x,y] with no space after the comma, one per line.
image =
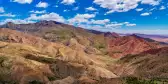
[68,2]
[153,9]
[114,25]
[81,18]
[66,10]
[38,12]
[2,10]
[139,9]
[146,14]
[108,12]
[50,16]
[130,25]
[16,21]
[109,27]
[101,22]
[151,2]
[56,6]
[123,5]
[42,5]
[22,1]
[87,21]
[7,15]
[91,9]
[76,8]
[162,8]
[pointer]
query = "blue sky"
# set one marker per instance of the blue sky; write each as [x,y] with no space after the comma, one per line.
[122,16]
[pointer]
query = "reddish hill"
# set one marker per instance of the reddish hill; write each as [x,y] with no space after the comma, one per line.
[156,51]
[152,63]
[119,47]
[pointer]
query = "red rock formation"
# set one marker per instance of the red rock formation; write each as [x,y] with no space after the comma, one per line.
[119,47]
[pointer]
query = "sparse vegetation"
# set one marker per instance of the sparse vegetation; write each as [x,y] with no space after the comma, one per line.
[5,71]
[134,80]
[3,38]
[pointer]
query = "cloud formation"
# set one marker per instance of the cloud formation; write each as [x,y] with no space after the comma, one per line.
[91,9]
[123,5]
[38,12]
[16,21]
[7,15]
[50,16]
[139,9]
[146,14]
[42,5]
[2,10]
[81,18]
[22,1]
[68,2]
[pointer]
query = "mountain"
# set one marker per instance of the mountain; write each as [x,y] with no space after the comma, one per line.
[49,52]
[160,38]
[29,59]
[151,64]
[58,32]
[132,44]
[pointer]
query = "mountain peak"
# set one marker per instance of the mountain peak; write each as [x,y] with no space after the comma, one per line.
[45,22]
[111,34]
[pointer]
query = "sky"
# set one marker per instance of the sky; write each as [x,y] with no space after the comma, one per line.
[121,16]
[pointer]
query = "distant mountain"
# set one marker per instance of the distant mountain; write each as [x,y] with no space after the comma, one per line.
[160,38]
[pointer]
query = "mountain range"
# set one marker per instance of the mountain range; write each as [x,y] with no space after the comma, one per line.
[159,38]
[49,52]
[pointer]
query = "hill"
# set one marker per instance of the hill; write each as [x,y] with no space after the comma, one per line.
[104,41]
[27,59]
[122,46]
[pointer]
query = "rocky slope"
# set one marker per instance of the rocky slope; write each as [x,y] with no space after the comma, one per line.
[122,46]
[151,64]
[27,59]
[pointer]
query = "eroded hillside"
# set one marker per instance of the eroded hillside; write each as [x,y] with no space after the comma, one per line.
[49,52]
[24,61]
